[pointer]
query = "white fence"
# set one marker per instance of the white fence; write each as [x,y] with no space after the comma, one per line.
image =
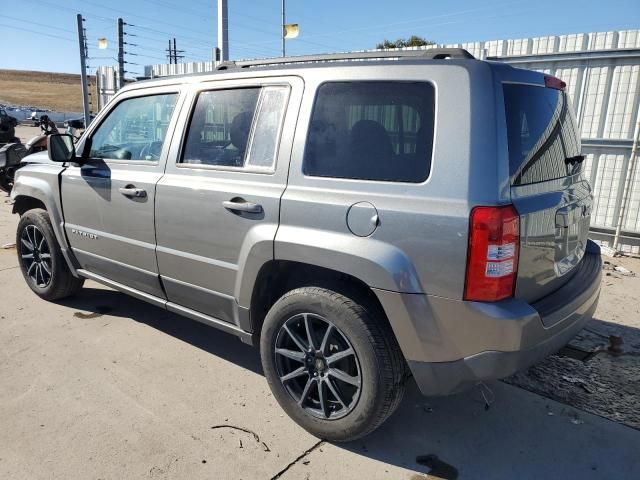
[602,72]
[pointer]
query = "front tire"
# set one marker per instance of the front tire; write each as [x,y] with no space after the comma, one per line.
[41,262]
[333,364]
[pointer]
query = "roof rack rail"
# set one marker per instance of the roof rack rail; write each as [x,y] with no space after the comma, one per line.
[226,65]
[428,54]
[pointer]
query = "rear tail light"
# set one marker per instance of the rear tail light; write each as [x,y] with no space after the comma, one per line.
[554,82]
[492,262]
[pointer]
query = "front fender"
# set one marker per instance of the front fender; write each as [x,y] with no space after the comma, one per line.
[40,182]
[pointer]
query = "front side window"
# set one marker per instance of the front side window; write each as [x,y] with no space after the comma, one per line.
[135,129]
[236,128]
[371,131]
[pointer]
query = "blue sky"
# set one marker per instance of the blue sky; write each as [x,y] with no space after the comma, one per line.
[45,39]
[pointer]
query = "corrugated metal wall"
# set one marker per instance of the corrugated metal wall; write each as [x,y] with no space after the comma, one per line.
[178,69]
[602,72]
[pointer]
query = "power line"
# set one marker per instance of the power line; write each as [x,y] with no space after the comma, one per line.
[21,29]
[377,27]
[197,39]
[258,47]
[31,22]
[61,7]
[181,9]
[133,15]
[97,17]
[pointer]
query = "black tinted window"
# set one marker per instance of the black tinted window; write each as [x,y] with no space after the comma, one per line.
[371,131]
[542,133]
[220,127]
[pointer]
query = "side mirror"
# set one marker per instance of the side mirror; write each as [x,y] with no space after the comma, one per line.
[61,148]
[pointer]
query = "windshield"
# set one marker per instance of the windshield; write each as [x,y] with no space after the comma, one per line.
[542,134]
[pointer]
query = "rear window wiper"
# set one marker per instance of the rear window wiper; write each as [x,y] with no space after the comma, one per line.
[574,160]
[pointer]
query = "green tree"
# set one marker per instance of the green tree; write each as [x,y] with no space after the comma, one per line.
[412,41]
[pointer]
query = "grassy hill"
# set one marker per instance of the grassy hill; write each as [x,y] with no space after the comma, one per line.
[55,91]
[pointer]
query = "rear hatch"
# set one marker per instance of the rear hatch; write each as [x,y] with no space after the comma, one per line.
[548,188]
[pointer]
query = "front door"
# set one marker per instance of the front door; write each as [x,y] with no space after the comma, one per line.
[109,200]
[219,200]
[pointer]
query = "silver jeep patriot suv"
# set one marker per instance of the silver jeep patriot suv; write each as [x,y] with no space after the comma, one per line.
[361,217]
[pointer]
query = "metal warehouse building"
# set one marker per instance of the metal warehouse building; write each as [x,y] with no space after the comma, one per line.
[602,72]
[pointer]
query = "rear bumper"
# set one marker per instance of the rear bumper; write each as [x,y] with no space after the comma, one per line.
[451,345]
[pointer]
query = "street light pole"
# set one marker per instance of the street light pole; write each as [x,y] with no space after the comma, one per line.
[82,43]
[283,32]
[223,30]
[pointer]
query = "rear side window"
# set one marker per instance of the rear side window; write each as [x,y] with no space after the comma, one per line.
[542,133]
[371,131]
[237,127]
[220,127]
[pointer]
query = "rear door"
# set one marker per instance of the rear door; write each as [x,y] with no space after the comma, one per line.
[109,200]
[220,197]
[548,188]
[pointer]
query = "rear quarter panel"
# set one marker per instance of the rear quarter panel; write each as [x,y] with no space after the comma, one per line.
[420,244]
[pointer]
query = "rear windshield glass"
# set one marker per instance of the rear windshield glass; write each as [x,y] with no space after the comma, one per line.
[542,133]
[371,131]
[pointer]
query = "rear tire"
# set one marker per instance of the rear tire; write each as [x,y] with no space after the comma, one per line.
[310,383]
[41,261]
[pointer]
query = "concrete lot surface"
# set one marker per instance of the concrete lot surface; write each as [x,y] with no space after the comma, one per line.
[26,132]
[103,386]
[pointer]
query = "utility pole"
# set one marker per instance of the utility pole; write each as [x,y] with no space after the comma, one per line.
[120,53]
[173,52]
[176,51]
[223,30]
[170,50]
[283,32]
[82,43]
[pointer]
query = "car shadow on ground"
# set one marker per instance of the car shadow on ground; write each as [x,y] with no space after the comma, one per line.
[90,302]
[519,435]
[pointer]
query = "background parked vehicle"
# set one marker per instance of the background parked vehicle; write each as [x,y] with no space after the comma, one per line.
[8,119]
[7,128]
[36,115]
[76,123]
[11,156]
